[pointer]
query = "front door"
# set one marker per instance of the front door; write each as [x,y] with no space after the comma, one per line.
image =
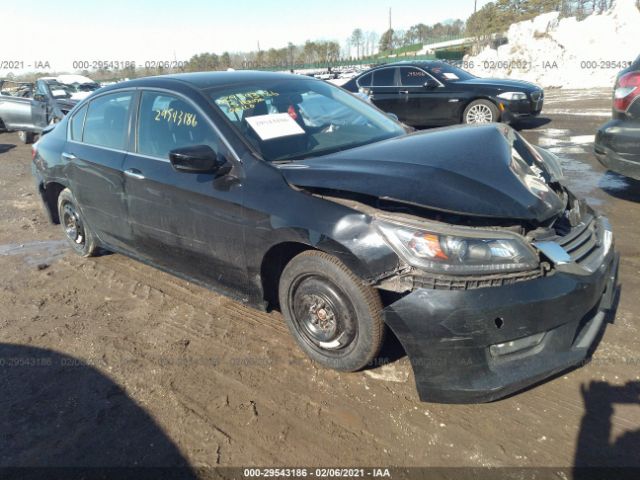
[26,114]
[426,105]
[188,223]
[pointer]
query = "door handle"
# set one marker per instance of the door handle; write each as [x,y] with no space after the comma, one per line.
[404,92]
[134,173]
[69,156]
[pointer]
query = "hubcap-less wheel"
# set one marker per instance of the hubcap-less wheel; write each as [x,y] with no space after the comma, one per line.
[73,224]
[479,114]
[323,314]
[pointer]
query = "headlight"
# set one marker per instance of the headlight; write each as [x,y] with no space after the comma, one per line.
[458,253]
[513,96]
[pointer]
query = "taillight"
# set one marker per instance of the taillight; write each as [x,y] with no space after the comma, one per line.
[34,151]
[628,89]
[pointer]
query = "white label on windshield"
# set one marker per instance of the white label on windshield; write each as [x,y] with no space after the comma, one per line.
[58,93]
[274,126]
[450,76]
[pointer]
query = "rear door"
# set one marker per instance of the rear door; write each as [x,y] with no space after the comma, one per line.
[95,151]
[385,90]
[185,222]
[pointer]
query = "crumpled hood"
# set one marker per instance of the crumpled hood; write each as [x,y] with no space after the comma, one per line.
[486,171]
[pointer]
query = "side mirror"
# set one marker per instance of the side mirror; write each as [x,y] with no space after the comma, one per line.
[39,97]
[392,116]
[196,159]
[430,83]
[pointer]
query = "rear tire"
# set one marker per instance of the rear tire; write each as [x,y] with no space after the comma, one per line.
[76,230]
[26,137]
[335,318]
[480,111]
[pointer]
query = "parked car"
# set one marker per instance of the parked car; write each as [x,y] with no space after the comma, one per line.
[435,93]
[463,240]
[34,106]
[617,143]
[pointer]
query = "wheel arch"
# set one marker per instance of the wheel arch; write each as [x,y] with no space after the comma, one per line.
[278,255]
[50,192]
[480,97]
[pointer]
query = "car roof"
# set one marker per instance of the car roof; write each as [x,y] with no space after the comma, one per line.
[414,63]
[204,80]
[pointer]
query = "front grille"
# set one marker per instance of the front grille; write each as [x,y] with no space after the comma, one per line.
[473,282]
[536,100]
[584,242]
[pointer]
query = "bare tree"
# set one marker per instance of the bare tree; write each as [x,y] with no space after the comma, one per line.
[356,39]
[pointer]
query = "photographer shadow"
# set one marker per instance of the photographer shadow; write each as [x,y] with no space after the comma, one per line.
[57,412]
[597,454]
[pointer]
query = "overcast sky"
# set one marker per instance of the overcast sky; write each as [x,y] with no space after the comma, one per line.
[63,31]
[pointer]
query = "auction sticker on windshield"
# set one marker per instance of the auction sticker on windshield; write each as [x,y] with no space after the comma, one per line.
[274,126]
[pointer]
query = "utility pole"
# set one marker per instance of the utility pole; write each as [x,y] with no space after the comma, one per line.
[389,18]
[475,6]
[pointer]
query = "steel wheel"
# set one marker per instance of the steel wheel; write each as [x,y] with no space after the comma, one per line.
[76,230]
[479,113]
[335,318]
[322,313]
[72,223]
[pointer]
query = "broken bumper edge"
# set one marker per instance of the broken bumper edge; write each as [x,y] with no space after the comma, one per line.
[473,346]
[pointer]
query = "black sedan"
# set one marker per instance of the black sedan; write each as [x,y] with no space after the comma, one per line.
[287,192]
[433,93]
[617,143]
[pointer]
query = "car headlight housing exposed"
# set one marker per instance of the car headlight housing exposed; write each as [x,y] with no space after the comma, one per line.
[513,96]
[458,253]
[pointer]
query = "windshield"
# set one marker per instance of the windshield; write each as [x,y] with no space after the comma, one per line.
[82,87]
[58,90]
[301,118]
[448,73]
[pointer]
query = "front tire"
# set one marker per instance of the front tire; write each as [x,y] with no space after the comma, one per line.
[480,111]
[75,228]
[335,318]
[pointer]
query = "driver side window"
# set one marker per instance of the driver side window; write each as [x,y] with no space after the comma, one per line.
[413,77]
[167,122]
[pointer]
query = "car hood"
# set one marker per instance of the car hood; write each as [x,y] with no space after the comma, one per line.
[486,171]
[501,84]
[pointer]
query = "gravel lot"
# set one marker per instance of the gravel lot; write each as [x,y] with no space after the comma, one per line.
[106,361]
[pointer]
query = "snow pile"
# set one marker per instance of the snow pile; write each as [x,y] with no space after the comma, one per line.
[555,52]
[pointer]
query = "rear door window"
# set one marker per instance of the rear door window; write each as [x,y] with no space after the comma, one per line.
[76,124]
[384,77]
[107,121]
[365,80]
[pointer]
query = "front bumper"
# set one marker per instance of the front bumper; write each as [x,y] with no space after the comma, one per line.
[448,335]
[617,147]
[515,109]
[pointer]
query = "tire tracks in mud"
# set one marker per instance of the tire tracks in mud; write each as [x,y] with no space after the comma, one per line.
[275,383]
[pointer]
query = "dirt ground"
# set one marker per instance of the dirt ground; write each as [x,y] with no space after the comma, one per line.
[106,361]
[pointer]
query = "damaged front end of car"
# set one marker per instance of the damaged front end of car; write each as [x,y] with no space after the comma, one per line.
[485,303]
